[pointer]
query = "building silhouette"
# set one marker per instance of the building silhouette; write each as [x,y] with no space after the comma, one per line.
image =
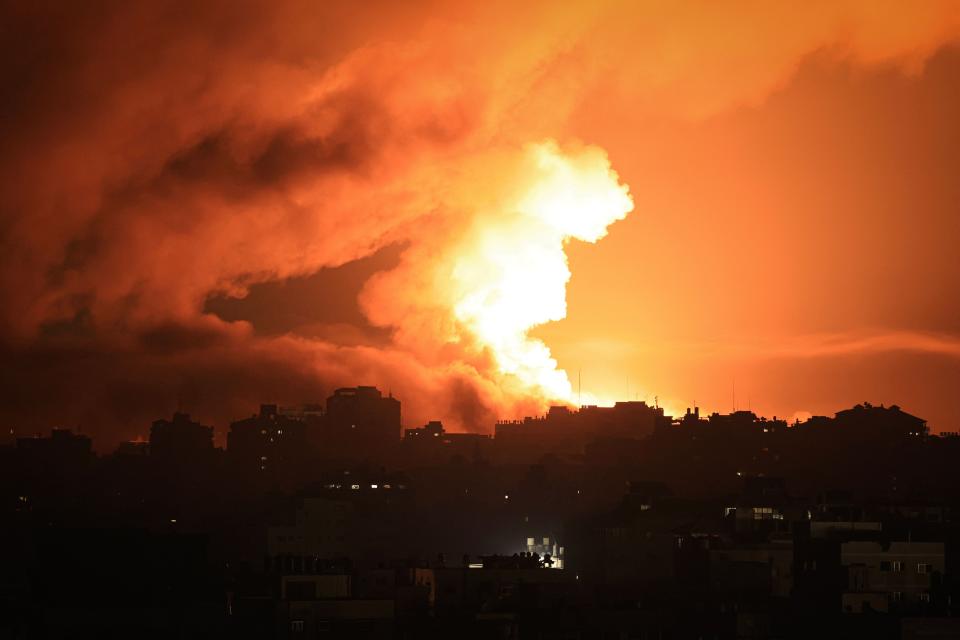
[180,439]
[432,442]
[63,446]
[567,431]
[267,442]
[602,522]
[360,421]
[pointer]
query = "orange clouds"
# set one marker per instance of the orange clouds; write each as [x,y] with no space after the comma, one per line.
[155,155]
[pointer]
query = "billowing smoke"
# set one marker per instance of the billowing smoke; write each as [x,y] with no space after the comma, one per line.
[501,270]
[153,155]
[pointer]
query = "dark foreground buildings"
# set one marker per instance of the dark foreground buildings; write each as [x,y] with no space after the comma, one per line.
[361,419]
[324,521]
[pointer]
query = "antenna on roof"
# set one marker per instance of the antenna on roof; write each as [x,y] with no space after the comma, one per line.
[579,388]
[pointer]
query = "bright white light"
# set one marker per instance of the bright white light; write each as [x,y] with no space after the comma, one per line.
[511,274]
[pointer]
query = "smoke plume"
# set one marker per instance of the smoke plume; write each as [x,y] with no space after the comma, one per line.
[155,155]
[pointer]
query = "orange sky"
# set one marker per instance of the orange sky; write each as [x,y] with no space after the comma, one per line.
[211,206]
[801,249]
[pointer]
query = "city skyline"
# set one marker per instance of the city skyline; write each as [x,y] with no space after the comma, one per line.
[310,415]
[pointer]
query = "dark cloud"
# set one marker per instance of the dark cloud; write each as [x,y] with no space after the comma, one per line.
[302,305]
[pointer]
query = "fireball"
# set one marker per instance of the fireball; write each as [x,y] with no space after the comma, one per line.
[511,273]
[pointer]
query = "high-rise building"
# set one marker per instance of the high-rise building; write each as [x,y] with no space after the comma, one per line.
[361,419]
[268,441]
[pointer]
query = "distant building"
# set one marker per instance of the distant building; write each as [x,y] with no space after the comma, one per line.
[315,605]
[458,589]
[764,507]
[737,419]
[62,444]
[433,429]
[321,530]
[566,431]
[180,439]
[837,515]
[307,412]
[268,441]
[754,569]
[432,441]
[360,419]
[637,544]
[691,418]
[62,452]
[895,576]
[881,421]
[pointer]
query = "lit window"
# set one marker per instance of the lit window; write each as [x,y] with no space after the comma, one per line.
[354,486]
[924,597]
[924,567]
[897,596]
[898,566]
[373,486]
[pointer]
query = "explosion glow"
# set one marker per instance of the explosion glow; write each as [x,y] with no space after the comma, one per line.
[511,275]
[307,196]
